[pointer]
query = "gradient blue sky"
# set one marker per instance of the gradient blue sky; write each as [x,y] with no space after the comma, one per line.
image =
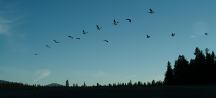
[26,26]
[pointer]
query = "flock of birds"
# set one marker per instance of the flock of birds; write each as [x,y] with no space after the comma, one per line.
[115,23]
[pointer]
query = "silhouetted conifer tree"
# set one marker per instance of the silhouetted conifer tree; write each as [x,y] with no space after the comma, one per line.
[130,83]
[84,84]
[199,71]
[98,85]
[169,75]
[67,83]
[198,67]
[153,83]
[139,83]
[181,70]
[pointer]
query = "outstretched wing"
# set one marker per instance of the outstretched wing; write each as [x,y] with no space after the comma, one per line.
[128,19]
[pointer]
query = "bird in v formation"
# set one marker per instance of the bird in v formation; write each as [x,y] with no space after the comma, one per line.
[55,41]
[84,32]
[172,34]
[106,41]
[115,22]
[206,34]
[98,27]
[151,11]
[70,37]
[129,20]
[148,36]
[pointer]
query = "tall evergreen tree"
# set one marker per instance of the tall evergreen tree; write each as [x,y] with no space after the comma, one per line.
[213,68]
[209,61]
[67,83]
[199,67]
[169,77]
[84,84]
[181,70]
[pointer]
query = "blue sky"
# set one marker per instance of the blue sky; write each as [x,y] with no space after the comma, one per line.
[26,26]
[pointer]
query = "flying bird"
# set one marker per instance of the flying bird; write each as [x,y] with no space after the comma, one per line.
[36,54]
[98,27]
[151,11]
[206,34]
[70,37]
[115,22]
[78,38]
[48,46]
[55,41]
[84,32]
[173,34]
[148,36]
[129,20]
[106,41]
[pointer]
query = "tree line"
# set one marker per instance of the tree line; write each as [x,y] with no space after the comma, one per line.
[197,71]
[129,84]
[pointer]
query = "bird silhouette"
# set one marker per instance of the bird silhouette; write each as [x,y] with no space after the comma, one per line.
[35,53]
[172,34]
[70,37]
[129,20]
[206,34]
[78,38]
[106,41]
[151,11]
[84,32]
[48,46]
[55,41]
[115,22]
[148,36]
[98,27]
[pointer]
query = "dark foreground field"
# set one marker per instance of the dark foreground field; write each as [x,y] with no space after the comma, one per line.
[141,92]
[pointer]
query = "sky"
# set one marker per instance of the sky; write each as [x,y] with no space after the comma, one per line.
[26,26]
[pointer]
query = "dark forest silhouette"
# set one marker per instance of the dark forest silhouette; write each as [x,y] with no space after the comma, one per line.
[197,71]
[179,82]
